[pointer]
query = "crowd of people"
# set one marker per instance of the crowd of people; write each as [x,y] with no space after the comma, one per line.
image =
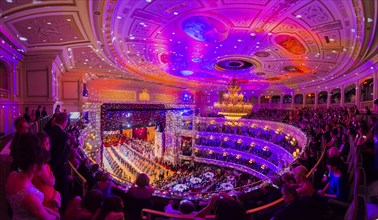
[34,115]
[39,185]
[219,156]
[199,178]
[260,151]
[249,131]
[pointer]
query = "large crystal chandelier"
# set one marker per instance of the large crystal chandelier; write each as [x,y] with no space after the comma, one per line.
[233,106]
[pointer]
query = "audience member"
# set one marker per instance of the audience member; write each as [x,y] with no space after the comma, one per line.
[44,180]
[24,199]
[27,115]
[22,127]
[38,113]
[294,209]
[104,185]
[59,156]
[44,112]
[84,209]
[140,194]
[336,187]
[111,209]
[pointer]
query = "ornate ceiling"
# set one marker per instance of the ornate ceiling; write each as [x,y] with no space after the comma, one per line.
[200,43]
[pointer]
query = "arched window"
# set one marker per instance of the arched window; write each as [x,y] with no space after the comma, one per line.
[265,99]
[3,76]
[336,96]
[322,97]
[298,99]
[367,90]
[287,99]
[276,99]
[310,98]
[350,93]
[253,99]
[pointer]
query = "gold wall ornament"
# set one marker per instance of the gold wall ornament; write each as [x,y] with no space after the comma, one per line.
[144,95]
[164,98]
[117,95]
[233,107]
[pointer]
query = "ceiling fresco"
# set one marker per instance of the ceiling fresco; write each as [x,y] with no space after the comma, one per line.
[197,43]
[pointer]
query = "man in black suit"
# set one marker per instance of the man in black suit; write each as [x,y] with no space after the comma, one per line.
[59,156]
[38,113]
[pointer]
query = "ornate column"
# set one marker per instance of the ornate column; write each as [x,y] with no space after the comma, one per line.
[281,101]
[375,85]
[342,95]
[304,100]
[316,99]
[292,101]
[329,95]
[358,94]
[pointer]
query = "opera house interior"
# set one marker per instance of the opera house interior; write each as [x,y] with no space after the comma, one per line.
[189,109]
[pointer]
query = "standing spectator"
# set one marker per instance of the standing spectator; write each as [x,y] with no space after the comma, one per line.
[59,156]
[27,115]
[57,109]
[22,127]
[44,112]
[32,116]
[38,113]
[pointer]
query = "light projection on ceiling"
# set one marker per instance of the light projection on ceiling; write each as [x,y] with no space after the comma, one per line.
[206,43]
[205,29]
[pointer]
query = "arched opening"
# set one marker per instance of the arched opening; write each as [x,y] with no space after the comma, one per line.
[322,97]
[367,90]
[254,99]
[264,99]
[276,99]
[310,98]
[3,76]
[335,96]
[287,99]
[298,99]
[350,93]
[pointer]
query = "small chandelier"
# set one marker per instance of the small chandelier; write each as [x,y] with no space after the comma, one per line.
[233,106]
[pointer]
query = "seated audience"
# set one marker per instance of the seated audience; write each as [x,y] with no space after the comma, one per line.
[84,209]
[140,194]
[104,185]
[303,186]
[111,209]
[294,208]
[185,207]
[336,187]
[224,207]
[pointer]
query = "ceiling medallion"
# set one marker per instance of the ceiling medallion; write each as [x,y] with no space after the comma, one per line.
[233,107]
[233,63]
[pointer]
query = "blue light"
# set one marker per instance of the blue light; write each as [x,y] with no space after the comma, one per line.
[186,72]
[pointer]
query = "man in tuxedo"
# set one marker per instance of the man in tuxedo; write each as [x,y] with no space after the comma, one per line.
[59,156]
[38,113]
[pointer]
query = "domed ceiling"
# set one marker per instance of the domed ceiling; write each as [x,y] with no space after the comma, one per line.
[201,43]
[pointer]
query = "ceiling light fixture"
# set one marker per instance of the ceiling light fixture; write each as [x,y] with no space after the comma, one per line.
[233,107]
